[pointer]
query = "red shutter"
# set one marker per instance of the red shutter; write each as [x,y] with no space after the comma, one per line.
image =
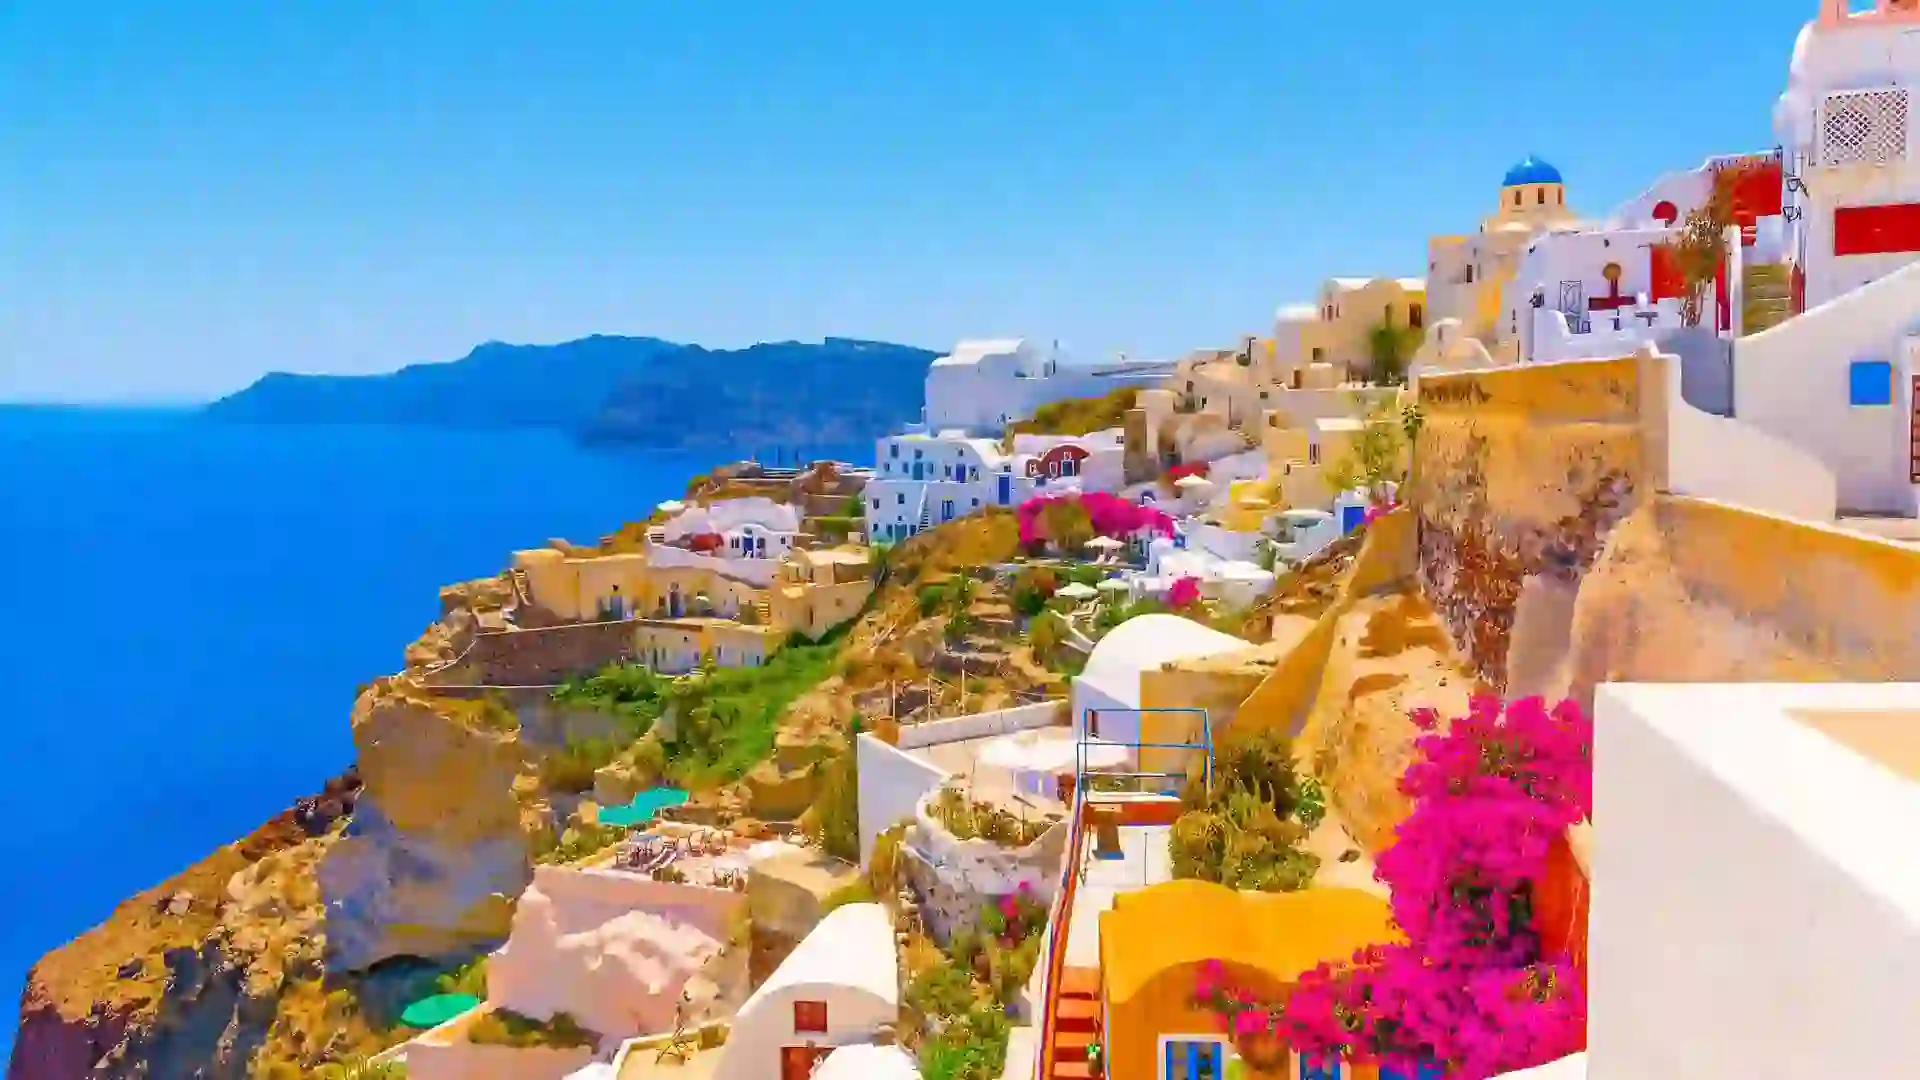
[1664,276]
[1876,230]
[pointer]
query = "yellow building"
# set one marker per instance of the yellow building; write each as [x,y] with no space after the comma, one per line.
[819,590]
[1154,942]
[1467,275]
[1339,330]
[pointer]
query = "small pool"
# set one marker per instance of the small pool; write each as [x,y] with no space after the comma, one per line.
[431,1012]
[643,807]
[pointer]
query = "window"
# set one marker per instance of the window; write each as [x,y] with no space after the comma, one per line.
[1185,1058]
[810,1016]
[1539,196]
[1319,354]
[946,510]
[1516,197]
[1416,316]
[976,503]
[973,472]
[893,449]
[1870,382]
[876,504]
[900,498]
[1387,315]
[1469,273]
[1296,372]
[1313,454]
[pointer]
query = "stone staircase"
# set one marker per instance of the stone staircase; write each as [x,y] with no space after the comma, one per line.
[1768,297]
[1076,1023]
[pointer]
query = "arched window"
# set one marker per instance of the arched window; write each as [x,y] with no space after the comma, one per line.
[1539,196]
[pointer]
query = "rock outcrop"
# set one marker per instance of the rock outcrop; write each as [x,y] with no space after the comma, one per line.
[204,975]
[441,842]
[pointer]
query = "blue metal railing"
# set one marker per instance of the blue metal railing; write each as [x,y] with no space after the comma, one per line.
[1082,775]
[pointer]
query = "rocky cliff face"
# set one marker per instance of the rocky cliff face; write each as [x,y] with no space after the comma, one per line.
[192,977]
[440,844]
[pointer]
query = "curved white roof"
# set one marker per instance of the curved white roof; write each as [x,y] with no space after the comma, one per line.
[852,947]
[863,1062]
[1145,642]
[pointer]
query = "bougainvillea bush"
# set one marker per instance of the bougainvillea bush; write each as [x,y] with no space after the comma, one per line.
[1107,514]
[1469,990]
[1183,593]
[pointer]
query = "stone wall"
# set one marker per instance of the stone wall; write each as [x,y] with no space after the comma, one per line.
[544,656]
[1520,473]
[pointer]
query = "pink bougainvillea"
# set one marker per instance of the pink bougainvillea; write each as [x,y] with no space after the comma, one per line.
[1468,990]
[1184,592]
[1377,510]
[1109,514]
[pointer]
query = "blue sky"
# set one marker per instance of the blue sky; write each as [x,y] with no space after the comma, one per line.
[193,193]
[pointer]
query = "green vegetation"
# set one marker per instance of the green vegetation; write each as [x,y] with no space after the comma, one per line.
[622,689]
[859,891]
[1378,454]
[970,820]
[833,821]
[1243,830]
[1113,614]
[470,979]
[1390,349]
[725,719]
[837,527]
[577,843]
[503,1027]
[1077,416]
[361,1069]
[967,990]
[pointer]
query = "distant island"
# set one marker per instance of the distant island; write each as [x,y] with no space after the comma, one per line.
[621,390]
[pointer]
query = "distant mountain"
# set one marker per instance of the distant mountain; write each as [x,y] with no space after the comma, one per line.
[782,393]
[621,390]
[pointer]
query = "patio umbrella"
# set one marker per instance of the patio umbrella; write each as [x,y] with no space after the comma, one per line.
[1026,751]
[1105,543]
[1115,585]
[671,506]
[1075,591]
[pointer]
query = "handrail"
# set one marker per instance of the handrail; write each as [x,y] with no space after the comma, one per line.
[1062,919]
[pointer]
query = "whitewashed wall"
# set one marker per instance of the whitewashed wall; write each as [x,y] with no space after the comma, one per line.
[892,783]
[978,725]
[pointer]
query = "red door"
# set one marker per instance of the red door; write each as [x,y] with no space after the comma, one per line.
[797,1062]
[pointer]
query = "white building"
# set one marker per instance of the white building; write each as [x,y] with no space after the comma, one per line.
[1846,120]
[751,528]
[1106,693]
[1756,891]
[925,480]
[982,386]
[838,988]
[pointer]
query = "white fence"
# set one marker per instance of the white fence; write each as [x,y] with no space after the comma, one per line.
[998,722]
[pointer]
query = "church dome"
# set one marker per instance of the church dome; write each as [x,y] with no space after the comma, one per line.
[1532,171]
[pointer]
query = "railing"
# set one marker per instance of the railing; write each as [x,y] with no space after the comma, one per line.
[1059,921]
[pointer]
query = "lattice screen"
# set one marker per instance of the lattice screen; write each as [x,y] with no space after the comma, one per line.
[1864,127]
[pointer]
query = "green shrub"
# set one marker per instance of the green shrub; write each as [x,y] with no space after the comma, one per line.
[571,768]
[725,719]
[470,978]
[578,842]
[857,891]
[503,1027]
[833,821]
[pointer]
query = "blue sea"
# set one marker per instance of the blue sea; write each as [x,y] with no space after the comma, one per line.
[188,607]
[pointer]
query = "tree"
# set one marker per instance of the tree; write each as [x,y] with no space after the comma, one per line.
[1067,524]
[1700,247]
[1391,349]
[1378,454]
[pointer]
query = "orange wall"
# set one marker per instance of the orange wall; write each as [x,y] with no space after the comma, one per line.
[1560,906]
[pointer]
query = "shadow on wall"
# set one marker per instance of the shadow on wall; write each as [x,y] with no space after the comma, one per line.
[1558,556]
[1706,368]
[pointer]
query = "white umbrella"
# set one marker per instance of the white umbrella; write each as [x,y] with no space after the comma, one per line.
[671,506]
[1107,542]
[1074,591]
[1025,752]
[1192,482]
[1114,584]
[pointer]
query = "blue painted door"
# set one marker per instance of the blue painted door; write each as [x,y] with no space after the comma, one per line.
[1199,1059]
[1006,488]
[1351,517]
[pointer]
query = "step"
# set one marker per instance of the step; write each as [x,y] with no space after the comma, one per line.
[1080,982]
[1068,1045]
[1072,1070]
[1076,1014]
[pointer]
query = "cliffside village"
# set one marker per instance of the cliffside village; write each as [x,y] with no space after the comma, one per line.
[1660,463]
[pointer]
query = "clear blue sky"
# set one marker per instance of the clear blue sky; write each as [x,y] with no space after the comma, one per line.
[193,193]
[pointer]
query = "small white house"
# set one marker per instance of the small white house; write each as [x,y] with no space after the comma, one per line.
[838,988]
[1106,693]
[923,480]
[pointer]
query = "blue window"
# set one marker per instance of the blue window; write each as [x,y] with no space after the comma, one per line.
[1427,1071]
[900,498]
[1870,382]
[893,449]
[1194,1059]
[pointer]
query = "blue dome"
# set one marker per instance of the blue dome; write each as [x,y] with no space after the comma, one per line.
[1532,171]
